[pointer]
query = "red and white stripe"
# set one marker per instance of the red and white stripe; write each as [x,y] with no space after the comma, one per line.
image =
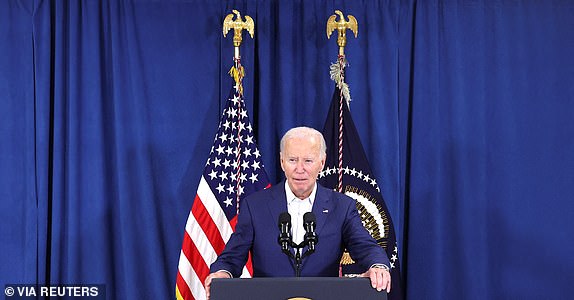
[206,232]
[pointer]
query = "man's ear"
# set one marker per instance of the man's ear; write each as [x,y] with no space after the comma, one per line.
[281,160]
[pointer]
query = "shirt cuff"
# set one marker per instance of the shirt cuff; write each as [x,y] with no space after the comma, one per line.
[381,266]
[229,273]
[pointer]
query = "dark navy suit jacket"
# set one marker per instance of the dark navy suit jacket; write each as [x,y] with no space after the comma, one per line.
[338,227]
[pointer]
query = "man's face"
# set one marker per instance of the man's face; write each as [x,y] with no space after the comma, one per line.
[301,161]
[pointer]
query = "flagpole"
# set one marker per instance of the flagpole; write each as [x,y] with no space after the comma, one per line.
[237,72]
[338,74]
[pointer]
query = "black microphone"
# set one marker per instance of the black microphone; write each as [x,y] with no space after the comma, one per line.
[311,239]
[285,229]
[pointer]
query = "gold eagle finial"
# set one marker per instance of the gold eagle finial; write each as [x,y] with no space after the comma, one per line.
[342,25]
[238,25]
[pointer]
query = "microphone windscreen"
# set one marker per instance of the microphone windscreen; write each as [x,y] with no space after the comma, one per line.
[284,217]
[309,217]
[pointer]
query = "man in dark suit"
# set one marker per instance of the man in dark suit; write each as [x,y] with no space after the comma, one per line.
[338,225]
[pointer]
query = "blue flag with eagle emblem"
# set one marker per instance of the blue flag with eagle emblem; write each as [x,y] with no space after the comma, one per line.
[359,183]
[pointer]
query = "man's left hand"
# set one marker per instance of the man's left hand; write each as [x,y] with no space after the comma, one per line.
[380,278]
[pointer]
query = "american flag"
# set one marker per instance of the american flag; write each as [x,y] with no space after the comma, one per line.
[234,170]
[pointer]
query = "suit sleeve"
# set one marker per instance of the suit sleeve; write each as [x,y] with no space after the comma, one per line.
[359,242]
[234,256]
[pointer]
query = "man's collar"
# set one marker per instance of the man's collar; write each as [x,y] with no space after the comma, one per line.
[291,197]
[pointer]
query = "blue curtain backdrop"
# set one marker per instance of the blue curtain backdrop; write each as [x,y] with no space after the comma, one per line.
[464,108]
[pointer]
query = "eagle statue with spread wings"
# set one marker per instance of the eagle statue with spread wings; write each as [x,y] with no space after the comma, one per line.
[238,25]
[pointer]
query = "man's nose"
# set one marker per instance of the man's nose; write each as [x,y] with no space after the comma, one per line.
[300,166]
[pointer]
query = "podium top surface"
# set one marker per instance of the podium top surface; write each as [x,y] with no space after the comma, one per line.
[284,288]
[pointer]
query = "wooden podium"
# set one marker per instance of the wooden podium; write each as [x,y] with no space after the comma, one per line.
[284,288]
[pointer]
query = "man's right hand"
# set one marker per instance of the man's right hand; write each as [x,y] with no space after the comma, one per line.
[218,274]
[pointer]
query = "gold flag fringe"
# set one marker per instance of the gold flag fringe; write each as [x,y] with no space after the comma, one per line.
[336,73]
[346,259]
[237,72]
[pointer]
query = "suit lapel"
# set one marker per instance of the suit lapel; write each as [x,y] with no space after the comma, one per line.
[322,206]
[278,203]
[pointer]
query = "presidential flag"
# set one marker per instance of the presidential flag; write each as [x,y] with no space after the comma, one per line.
[234,170]
[347,170]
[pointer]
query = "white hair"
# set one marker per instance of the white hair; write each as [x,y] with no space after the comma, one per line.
[304,132]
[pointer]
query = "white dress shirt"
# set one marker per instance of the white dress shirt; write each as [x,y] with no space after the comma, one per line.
[297,208]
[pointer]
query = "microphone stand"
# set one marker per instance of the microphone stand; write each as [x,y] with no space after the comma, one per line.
[298,258]
[285,240]
[298,261]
